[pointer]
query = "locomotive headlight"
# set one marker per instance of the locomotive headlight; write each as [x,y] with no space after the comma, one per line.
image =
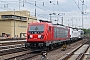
[31,36]
[39,36]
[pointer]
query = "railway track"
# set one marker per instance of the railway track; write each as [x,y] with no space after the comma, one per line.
[15,49]
[12,54]
[78,53]
[6,39]
[26,56]
[20,53]
[10,50]
[6,52]
[11,44]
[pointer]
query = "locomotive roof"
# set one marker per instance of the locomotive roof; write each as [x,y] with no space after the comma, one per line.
[50,24]
[59,25]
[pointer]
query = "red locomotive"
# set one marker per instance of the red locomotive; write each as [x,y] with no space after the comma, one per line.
[45,35]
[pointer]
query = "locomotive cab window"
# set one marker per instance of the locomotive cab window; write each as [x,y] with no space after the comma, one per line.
[36,29]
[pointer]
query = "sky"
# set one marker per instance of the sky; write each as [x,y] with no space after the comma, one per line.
[70,10]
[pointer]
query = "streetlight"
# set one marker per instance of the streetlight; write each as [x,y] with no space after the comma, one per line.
[72,21]
[59,14]
[62,20]
[50,16]
[62,16]
[57,21]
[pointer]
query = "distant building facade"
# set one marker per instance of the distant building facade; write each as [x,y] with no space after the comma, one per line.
[14,23]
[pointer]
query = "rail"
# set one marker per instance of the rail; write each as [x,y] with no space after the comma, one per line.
[27,56]
[12,39]
[11,44]
[80,57]
[72,53]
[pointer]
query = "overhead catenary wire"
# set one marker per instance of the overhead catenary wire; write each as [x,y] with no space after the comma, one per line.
[42,7]
[46,10]
[85,3]
[58,5]
[39,7]
[77,6]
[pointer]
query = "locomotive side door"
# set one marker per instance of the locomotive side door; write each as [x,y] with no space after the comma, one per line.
[50,32]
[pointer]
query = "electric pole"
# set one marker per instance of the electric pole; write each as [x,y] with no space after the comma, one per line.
[35,8]
[14,23]
[19,4]
[62,20]
[82,12]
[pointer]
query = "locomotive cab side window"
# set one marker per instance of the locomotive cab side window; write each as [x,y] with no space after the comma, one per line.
[49,28]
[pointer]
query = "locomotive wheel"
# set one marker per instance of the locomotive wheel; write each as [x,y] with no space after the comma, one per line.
[48,49]
[51,47]
[26,46]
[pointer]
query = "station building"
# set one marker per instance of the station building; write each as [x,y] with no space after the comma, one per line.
[14,23]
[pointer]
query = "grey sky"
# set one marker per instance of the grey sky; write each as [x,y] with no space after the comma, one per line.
[44,8]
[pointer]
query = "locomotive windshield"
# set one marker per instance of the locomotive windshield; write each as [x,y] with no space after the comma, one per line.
[36,29]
